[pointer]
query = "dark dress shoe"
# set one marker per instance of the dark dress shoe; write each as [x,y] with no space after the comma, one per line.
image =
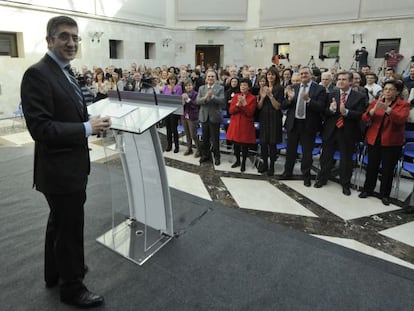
[52,283]
[168,148]
[235,164]
[176,149]
[285,175]
[385,201]
[409,210]
[243,167]
[205,159]
[262,169]
[307,182]
[364,194]
[319,184]
[217,162]
[346,190]
[85,299]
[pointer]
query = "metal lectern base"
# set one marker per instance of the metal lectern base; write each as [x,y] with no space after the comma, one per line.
[134,241]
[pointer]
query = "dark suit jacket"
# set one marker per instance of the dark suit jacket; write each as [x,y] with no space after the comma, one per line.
[314,108]
[355,104]
[54,118]
[210,110]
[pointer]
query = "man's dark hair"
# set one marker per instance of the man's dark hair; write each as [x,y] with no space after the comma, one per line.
[56,21]
[349,75]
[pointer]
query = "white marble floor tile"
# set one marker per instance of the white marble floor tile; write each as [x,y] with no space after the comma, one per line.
[347,207]
[261,195]
[403,233]
[19,138]
[4,123]
[355,245]
[99,154]
[187,182]
[190,159]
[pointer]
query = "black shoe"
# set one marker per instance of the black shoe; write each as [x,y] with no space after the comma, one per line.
[262,169]
[217,162]
[176,149]
[319,184]
[52,283]
[364,194]
[285,175]
[205,159]
[307,182]
[85,299]
[169,148]
[346,190]
[385,200]
[409,210]
[243,167]
[235,164]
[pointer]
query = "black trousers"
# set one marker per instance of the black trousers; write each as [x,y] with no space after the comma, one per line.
[171,123]
[299,134]
[387,157]
[211,139]
[64,246]
[346,147]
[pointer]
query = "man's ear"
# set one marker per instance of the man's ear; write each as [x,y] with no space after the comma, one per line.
[49,41]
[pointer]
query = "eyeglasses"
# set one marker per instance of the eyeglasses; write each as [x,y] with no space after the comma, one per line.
[64,36]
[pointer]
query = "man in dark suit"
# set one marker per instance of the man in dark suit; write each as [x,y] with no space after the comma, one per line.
[210,97]
[57,120]
[342,129]
[305,103]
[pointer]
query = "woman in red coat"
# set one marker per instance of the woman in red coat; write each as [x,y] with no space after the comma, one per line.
[241,129]
[385,137]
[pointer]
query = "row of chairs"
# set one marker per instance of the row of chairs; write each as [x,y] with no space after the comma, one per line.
[360,157]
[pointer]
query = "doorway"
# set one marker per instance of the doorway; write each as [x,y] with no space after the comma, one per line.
[209,55]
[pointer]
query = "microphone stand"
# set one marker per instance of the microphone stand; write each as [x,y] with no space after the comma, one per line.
[153,91]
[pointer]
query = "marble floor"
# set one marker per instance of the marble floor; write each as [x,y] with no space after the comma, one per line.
[364,225]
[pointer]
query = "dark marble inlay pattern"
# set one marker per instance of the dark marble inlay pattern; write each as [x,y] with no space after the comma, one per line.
[364,230]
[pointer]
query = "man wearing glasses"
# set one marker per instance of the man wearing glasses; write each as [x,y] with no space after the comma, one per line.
[58,122]
[210,97]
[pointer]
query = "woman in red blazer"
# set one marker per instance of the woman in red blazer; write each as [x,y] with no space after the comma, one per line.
[241,129]
[385,137]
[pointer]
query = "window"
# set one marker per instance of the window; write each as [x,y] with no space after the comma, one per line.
[281,49]
[385,45]
[8,44]
[329,49]
[116,49]
[149,50]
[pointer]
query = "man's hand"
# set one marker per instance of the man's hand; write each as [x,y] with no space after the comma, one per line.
[100,124]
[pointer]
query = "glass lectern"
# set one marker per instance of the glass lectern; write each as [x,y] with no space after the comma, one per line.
[141,204]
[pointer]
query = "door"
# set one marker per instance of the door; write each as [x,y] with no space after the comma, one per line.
[209,55]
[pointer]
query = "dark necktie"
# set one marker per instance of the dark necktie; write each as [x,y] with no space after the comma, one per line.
[340,121]
[75,85]
[301,104]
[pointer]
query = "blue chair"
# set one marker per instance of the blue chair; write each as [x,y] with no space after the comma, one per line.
[18,114]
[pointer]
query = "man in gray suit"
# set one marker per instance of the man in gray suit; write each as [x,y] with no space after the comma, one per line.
[211,100]
[58,122]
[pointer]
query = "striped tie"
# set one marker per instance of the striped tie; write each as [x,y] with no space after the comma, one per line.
[340,121]
[75,85]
